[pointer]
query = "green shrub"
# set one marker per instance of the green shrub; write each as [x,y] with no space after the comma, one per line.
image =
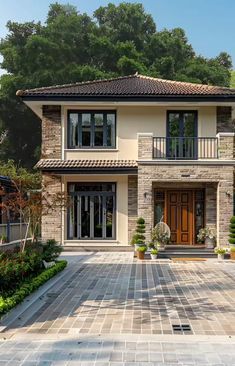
[220,250]
[154,251]
[232,249]
[51,250]
[231,239]
[16,267]
[29,286]
[142,249]
[139,237]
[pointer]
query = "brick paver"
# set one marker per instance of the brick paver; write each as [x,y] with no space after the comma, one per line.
[134,304]
[114,293]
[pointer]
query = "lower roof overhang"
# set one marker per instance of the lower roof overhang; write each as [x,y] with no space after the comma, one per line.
[98,171]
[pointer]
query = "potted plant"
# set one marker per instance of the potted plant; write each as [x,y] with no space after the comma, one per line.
[154,253]
[138,238]
[220,252]
[3,239]
[141,251]
[159,238]
[232,253]
[231,239]
[208,236]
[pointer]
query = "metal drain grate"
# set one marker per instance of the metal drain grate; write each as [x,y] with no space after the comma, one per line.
[181,328]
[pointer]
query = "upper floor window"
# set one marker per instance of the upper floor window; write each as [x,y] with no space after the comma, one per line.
[95,129]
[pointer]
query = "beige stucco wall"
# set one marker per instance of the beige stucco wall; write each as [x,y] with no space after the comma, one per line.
[135,119]
[121,206]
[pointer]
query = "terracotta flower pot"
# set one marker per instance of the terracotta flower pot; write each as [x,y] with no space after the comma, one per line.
[140,255]
[232,256]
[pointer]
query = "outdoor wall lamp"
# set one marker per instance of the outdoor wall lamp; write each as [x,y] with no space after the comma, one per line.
[147,197]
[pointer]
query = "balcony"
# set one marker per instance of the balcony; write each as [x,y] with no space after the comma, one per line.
[185,148]
[220,147]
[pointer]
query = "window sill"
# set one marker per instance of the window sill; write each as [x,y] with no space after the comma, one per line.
[93,149]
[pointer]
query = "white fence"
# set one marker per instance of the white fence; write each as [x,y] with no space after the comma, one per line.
[16,231]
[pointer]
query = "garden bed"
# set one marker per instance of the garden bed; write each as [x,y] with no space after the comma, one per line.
[28,286]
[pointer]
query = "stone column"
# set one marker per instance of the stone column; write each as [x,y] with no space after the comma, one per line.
[145,146]
[132,204]
[145,199]
[211,210]
[51,132]
[226,145]
[224,205]
[51,219]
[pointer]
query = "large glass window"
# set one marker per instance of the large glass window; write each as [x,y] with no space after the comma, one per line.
[91,214]
[182,135]
[91,129]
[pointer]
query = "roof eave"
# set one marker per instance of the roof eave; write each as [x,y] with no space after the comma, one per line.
[130,98]
[113,170]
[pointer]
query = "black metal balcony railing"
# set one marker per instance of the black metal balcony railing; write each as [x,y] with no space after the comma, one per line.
[185,148]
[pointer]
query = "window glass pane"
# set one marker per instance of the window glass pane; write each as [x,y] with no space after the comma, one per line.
[99,120]
[109,216]
[189,124]
[174,125]
[86,129]
[111,129]
[98,217]
[73,130]
[85,217]
[159,212]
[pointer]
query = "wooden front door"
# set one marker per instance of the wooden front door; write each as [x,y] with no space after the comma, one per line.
[180,216]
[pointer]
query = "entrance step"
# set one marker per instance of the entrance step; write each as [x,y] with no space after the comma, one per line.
[96,248]
[187,253]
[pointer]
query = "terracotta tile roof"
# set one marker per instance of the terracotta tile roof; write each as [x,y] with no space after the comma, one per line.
[85,164]
[132,85]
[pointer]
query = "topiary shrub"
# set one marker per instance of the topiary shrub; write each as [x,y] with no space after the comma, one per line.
[51,250]
[139,237]
[232,230]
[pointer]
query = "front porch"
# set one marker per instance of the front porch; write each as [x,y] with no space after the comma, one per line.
[186,197]
[185,209]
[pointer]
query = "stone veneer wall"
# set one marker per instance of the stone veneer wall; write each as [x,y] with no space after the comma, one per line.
[220,175]
[51,132]
[52,220]
[132,204]
[226,146]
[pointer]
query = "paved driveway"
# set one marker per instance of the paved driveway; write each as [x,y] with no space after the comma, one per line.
[148,312]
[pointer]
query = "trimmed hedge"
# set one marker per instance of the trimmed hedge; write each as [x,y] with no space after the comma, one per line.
[29,286]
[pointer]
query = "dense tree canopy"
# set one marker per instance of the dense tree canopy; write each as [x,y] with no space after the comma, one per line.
[71,46]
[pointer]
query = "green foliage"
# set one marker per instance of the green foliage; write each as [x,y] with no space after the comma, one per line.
[24,179]
[51,250]
[16,267]
[232,82]
[70,47]
[142,249]
[154,251]
[220,250]
[139,237]
[232,249]
[231,239]
[26,288]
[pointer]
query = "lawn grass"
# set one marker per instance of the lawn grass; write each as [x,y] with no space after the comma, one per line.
[29,286]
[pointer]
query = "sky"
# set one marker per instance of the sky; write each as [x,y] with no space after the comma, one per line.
[209,24]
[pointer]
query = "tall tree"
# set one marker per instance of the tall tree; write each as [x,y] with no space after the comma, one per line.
[71,46]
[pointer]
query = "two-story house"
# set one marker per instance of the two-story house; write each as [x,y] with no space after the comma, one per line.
[136,146]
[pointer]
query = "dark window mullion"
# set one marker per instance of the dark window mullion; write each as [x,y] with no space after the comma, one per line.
[92,217]
[92,141]
[79,129]
[104,129]
[104,219]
